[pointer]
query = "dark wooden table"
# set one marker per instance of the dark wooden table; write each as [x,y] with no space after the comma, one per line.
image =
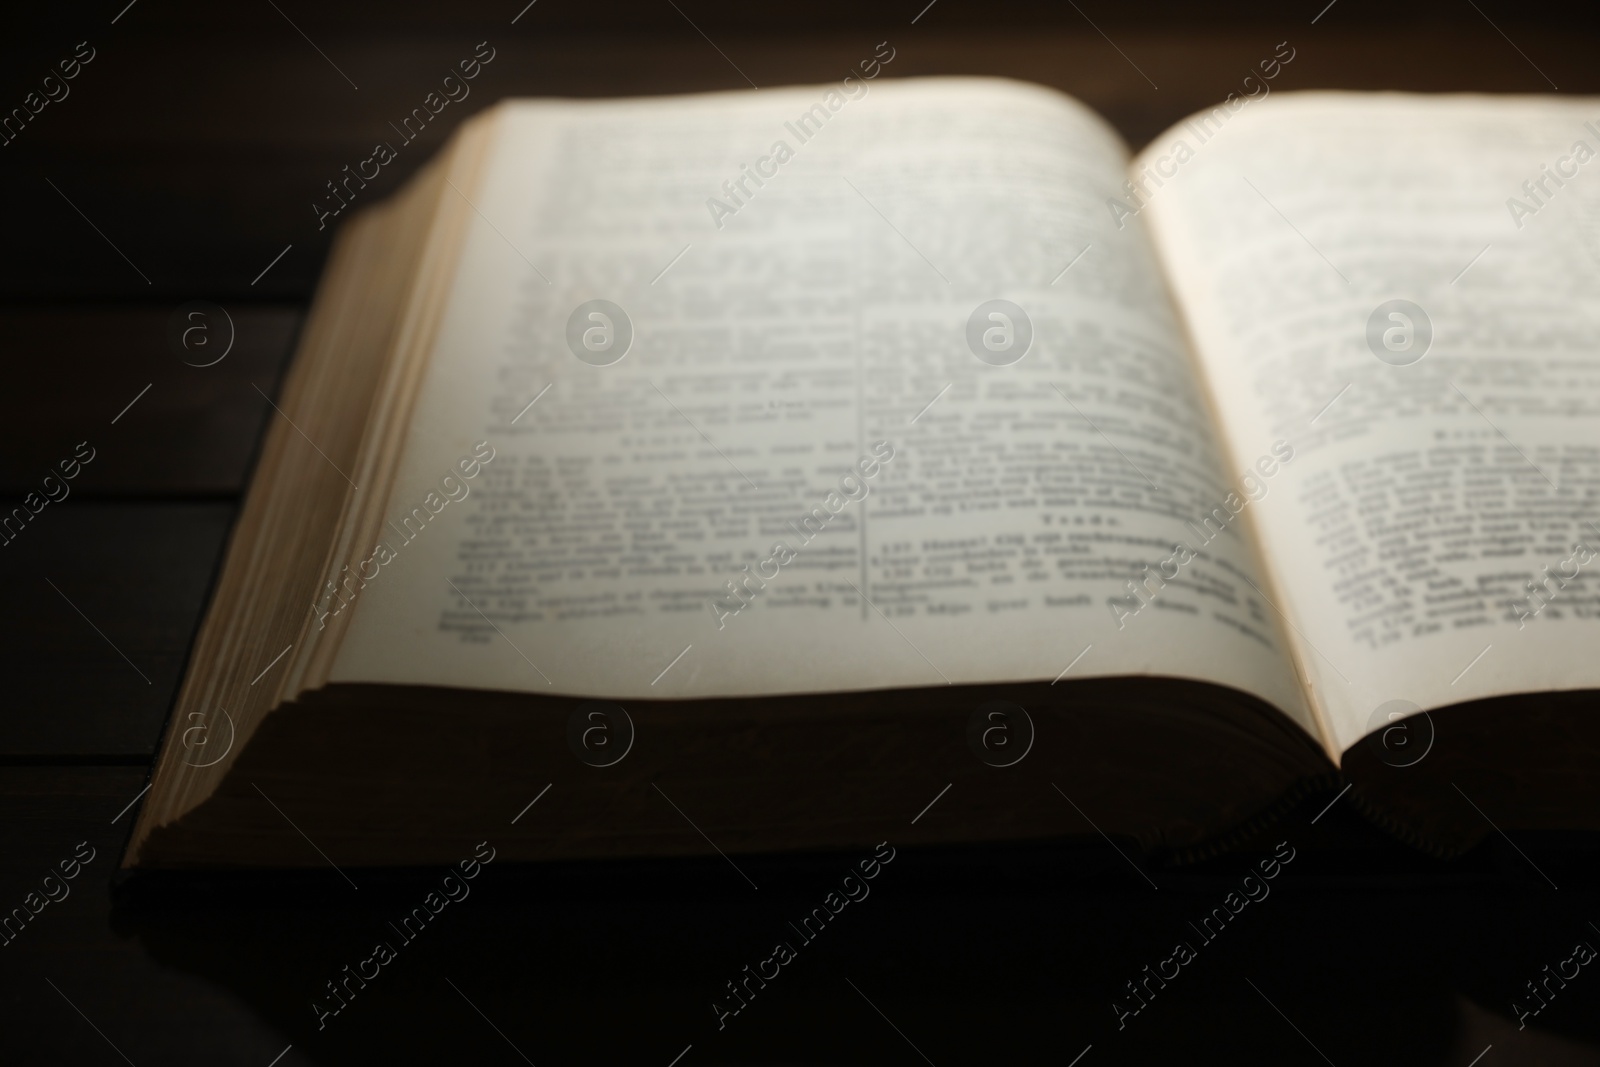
[182,167]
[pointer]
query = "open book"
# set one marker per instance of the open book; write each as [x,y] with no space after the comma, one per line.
[804,468]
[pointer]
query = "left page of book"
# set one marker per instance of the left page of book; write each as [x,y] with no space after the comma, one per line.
[721,406]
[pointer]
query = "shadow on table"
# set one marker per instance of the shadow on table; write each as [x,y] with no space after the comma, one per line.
[993,954]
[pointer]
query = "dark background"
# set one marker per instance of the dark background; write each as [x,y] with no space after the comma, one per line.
[186,158]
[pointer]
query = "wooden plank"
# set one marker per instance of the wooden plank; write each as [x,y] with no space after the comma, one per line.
[79,374]
[104,600]
[1022,17]
[68,957]
[978,955]
[44,813]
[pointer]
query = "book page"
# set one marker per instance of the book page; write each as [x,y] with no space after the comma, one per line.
[751,421]
[1407,289]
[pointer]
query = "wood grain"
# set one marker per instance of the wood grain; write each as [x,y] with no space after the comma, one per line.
[104,599]
[74,370]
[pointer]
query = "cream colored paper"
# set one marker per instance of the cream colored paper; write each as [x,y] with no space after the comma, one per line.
[825,314]
[1424,498]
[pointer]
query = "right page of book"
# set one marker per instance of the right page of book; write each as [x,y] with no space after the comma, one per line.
[1407,290]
